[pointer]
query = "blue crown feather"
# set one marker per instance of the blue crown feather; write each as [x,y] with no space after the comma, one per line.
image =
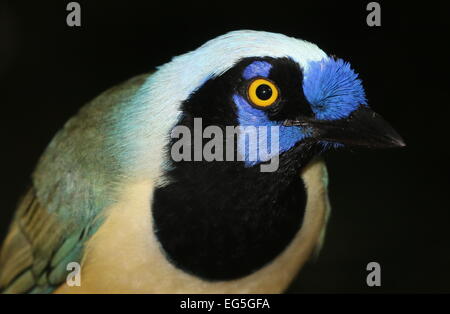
[333,89]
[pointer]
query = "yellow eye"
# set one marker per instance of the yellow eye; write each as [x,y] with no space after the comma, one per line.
[262,93]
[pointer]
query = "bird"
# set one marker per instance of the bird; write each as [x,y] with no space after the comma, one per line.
[111,194]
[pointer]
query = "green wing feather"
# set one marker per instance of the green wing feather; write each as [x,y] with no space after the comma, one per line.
[76,178]
[37,249]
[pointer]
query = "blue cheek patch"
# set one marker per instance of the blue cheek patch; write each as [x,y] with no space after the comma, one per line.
[333,89]
[258,126]
[255,69]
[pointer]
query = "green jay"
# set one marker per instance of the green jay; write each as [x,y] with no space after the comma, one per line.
[112,193]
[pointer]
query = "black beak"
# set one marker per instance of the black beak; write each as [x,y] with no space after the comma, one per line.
[363,127]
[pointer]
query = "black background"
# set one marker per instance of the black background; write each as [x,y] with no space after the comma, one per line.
[388,206]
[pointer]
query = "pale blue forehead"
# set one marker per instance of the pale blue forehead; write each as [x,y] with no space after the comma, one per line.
[331,86]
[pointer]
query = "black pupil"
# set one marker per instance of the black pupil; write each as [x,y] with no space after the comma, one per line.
[263,92]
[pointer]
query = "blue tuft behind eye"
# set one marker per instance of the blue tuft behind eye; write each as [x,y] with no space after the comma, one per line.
[333,89]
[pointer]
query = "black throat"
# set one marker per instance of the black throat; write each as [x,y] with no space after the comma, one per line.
[221,221]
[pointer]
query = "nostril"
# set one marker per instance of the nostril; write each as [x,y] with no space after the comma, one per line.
[319,107]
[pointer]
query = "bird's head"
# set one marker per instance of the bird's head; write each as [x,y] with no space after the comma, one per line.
[257,79]
[230,218]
